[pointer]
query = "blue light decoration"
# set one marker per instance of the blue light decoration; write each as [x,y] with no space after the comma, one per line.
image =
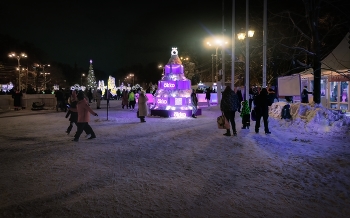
[173,96]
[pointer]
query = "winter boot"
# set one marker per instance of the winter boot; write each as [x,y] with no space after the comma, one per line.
[227,133]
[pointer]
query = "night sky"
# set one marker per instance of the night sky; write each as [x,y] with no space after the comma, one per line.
[113,34]
[116,35]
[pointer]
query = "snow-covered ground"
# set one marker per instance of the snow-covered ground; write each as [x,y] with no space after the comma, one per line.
[175,167]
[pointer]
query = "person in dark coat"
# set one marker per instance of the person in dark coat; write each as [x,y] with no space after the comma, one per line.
[60,99]
[72,112]
[89,95]
[17,97]
[272,95]
[304,95]
[125,99]
[207,95]
[262,103]
[229,105]
[194,103]
[119,94]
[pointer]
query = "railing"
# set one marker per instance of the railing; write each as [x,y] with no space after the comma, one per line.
[6,101]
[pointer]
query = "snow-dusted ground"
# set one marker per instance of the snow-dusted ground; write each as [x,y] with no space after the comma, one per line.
[172,167]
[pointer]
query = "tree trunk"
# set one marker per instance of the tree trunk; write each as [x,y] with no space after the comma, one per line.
[312,13]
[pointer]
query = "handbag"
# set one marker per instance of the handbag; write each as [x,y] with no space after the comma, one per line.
[223,122]
[253,115]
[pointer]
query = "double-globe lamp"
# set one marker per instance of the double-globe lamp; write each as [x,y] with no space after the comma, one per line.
[22,55]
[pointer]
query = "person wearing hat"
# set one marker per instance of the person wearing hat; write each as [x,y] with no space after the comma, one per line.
[304,95]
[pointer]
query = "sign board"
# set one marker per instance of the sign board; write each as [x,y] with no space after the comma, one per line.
[289,85]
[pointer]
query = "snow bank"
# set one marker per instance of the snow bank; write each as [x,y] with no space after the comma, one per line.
[310,118]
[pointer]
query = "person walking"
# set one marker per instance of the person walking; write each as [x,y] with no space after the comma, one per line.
[118,94]
[132,100]
[194,102]
[207,95]
[262,103]
[272,95]
[240,99]
[84,109]
[304,95]
[72,112]
[229,106]
[142,106]
[125,99]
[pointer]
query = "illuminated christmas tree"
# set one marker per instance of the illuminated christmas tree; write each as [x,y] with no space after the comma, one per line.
[91,80]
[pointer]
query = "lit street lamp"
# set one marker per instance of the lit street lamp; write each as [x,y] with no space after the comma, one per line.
[161,67]
[242,36]
[133,78]
[43,66]
[218,43]
[14,55]
[81,79]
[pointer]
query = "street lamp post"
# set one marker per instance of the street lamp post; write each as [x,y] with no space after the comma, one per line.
[133,78]
[81,79]
[45,74]
[22,55]
[246,36]
[218,43]
[161,67]
[242,36]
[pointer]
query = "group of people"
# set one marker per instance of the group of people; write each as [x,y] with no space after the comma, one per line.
[231,102]
[79,114]
[128,99]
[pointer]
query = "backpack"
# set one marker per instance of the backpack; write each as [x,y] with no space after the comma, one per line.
[286,112]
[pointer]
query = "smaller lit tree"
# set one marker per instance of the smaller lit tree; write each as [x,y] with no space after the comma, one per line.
[91,80]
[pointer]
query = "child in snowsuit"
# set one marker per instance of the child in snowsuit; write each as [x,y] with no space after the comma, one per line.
[245,114]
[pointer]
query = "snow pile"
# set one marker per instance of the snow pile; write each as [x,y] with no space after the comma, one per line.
[310,118]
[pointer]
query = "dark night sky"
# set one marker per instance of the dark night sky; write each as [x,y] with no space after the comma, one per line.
[115,34]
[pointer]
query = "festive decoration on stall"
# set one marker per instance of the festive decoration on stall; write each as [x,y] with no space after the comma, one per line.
[91,80]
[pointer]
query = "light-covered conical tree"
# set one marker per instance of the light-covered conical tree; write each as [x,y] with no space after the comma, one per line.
[91,80]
